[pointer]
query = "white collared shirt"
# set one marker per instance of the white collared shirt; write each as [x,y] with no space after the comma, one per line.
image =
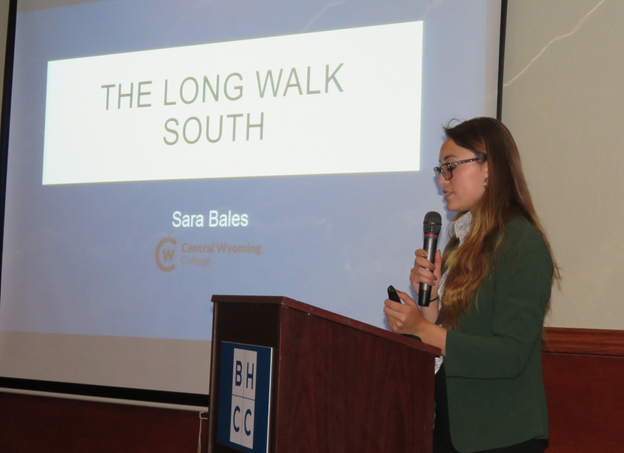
[461,228]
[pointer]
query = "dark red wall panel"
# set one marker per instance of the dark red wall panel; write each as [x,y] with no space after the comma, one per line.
[41,424]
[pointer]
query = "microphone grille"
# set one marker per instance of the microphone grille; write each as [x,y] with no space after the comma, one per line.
[432,223]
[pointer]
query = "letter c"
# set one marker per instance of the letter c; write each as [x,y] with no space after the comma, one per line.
[247,414]
[161,266]
[236,428]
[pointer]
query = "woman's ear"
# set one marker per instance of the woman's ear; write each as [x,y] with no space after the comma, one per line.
[484,169]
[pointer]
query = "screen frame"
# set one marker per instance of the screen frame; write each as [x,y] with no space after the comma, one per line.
[121,394]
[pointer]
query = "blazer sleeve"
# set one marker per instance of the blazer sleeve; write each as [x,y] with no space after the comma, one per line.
[520,291]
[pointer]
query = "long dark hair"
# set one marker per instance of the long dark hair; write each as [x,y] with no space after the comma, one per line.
[506,196]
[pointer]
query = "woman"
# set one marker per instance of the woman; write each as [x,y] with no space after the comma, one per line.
[490,291]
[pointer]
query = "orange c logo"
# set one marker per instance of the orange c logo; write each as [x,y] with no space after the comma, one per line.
[167,254]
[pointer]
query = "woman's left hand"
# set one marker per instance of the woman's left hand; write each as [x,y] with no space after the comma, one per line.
[404,318]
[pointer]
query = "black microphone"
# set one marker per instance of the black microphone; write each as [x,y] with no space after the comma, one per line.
[431,227]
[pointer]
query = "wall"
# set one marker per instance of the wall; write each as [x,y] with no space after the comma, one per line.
[584,417]
[33,424]
[564,102]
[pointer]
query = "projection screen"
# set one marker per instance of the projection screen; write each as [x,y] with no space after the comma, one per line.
[160,152]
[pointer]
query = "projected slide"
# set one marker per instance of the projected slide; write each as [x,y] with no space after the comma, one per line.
[161,152]
[290,105]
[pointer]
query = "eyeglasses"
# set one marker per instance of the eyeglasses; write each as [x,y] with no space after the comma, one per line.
[446,170]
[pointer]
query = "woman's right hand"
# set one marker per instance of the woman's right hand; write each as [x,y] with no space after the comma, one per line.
[424,271]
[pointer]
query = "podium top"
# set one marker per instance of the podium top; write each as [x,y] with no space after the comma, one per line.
[325,314]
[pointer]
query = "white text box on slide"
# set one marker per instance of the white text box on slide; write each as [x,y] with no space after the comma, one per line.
[334,102]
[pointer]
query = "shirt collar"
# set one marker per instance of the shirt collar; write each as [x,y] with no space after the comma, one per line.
[461,226]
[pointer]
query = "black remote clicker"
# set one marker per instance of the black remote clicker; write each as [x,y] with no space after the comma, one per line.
[393,296]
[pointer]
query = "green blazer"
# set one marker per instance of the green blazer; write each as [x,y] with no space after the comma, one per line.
[493,359]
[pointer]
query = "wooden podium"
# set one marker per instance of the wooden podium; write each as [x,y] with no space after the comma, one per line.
[334,384]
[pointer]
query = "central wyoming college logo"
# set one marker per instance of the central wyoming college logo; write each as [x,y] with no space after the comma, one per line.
[165,253]
[244,395]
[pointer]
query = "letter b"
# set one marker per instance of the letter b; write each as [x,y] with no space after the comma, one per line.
[238,373]
[213,218]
